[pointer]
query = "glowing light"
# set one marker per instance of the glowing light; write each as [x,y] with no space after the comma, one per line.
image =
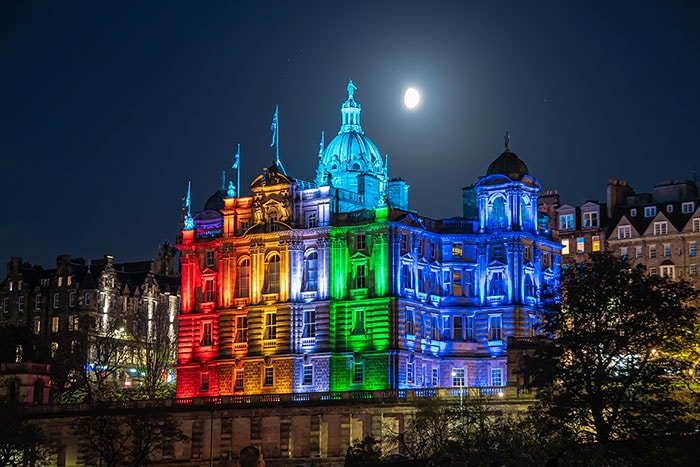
[411,98]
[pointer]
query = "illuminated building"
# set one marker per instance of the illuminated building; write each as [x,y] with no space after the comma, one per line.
[335,285]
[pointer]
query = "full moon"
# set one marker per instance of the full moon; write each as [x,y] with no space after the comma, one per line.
[411,98]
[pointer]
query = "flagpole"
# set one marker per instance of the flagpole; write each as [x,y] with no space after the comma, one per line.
[238,171]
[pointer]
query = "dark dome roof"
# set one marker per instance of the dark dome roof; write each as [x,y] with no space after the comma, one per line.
[509,164]
[216,201]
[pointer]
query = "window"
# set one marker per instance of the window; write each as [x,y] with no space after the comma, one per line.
[457,328]
[311,220]
[433,250]
[37,301]
[624,252]
[590,220]
[580,245]
[435,377]
[54,324]
[360,242]
[307,375]
[434,329]
[446,283]
[419,246]
[633,212]
[6,305]
[410,323]
[564,246]
[667,250]
[54,349]
[495,331]
[652,271]
[624,231]
[457,250]
[206,334]
[238,381]
[241,335]
[204,382]
[20,303]
[410,371]
[469,283]
[360,276]
[273,274]
[309,327]
[532,326]
[667,271]
[692,249]
[60,282]
[73,323]
[693,269]
[498,251]
[210,258]
[566,222]
[652,251]
[595,243]
[55,300]
[545,259]
[358,322]
[661,228]
[406,278]
[458,379]
[269,377]
[88,298]
[37,325]
[209,290]
[496,284]
[457,290]
[311,272]
[496,377]
[243,279]
[470,328]
[669,208]
[404,242]
[638,252]
[530,289]
[358,372]
[527,252]
[688,207]
[446,328]
[650,211]
[71,298]
[270,331]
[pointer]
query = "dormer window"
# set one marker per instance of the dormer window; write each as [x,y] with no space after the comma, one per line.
[669,208]
[566,222]
[687,207]
[633,212]
[590,220]
[650,211]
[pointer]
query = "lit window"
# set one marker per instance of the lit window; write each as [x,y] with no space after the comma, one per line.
[458,378]
[307,375]
[595,243]
[361,241]
[270,326]
[624,231]
[435,380]
[667,250]
[269,378]
[238,381]
[54,324]
[37,325]
[650,211]
[661,228]
[667,271]
[358,322]
[206,340]
[273,274]
[457,284]
[243,285]
[311,272]
[55,300]
[60,281]
[311,220]
[564,246]
[566,222]
[688,207]
[309,327]
[358,372]
[54,349]
[496,377]
[457,250]
[210,258]
[652,251]
[580,245]
[360,276]
[495,330]
[590,220]
[692,249]
[241,335]
[204,382]
[410,323]
[73,323]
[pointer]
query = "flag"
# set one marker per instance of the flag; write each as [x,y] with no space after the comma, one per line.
[187,201]
[273,127]
[237,160]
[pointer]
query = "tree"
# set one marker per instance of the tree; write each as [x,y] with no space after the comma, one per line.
[365,452]
[20,442]
[603,375]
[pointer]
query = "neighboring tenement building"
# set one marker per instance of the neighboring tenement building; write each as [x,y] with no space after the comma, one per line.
[335,285]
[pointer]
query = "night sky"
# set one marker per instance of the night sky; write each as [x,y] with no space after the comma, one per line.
[108,109]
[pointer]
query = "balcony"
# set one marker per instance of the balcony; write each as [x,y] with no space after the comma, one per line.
[269,343]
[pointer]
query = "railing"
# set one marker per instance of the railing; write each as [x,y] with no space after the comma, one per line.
[453,394]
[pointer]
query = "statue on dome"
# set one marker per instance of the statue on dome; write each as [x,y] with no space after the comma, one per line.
[351,90]
[231,192]
[507,141]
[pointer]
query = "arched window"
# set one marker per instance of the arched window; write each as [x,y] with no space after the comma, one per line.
[497,212]
[311,272]
[243,282]
[524,211]
[272,276]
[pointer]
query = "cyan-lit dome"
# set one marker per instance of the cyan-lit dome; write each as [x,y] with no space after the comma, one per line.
[351,150]
[508,164]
